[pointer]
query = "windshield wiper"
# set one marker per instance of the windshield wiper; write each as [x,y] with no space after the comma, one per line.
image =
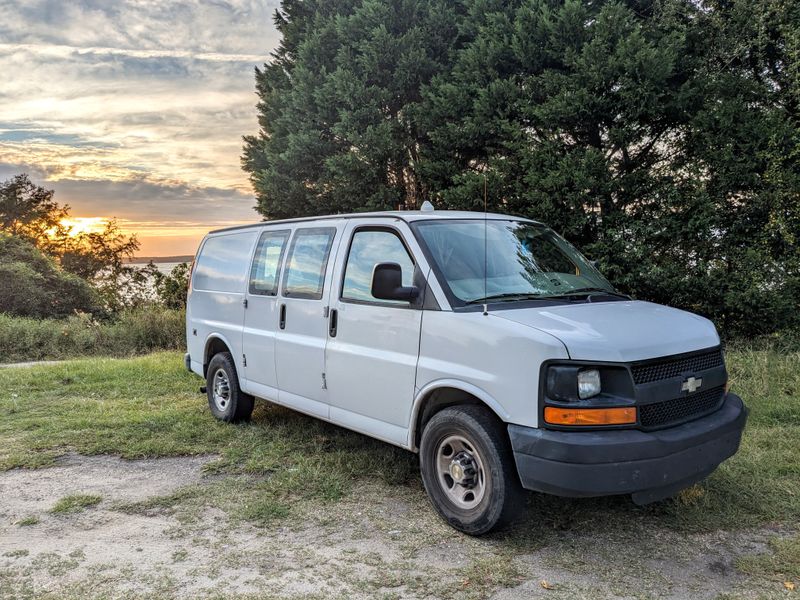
[589,291]
[504,297]
[511,296]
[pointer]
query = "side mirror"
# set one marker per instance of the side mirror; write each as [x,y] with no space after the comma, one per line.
[387,283]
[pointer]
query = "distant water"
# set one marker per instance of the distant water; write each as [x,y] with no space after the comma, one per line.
[164,267]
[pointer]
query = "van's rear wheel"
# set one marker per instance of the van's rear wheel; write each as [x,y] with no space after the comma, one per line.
[225,399]
[468,469]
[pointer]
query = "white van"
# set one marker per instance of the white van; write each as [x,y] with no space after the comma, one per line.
[486,343]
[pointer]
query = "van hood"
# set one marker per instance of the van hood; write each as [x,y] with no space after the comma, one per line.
[619,331]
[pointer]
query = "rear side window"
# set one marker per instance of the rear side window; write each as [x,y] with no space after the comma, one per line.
[267,262]
[368,248]
[223,261]
[308,257]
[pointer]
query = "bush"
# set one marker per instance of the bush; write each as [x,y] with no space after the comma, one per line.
[131,332]
[172,289]
[33,285]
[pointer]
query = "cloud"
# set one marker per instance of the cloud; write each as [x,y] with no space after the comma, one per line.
[71,52]
[134,108]
[238,27]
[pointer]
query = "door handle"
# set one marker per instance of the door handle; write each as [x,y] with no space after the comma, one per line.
[333,321]
[282,317]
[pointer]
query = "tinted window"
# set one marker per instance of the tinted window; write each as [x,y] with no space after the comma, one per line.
[305,269]
[368,249]
[222,264]
[267,262]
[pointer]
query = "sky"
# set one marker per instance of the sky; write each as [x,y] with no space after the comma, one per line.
[135,109]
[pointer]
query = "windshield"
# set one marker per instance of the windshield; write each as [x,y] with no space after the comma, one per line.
[522,260]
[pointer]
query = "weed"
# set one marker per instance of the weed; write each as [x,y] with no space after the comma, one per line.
[75,503]
[130,332]
[782,563]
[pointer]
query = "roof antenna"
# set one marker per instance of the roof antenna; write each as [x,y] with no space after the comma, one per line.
[485,244]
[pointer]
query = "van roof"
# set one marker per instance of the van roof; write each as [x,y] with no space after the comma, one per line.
[403,215]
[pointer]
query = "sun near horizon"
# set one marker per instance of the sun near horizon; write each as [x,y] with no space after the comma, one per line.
[135,112]
[156,239]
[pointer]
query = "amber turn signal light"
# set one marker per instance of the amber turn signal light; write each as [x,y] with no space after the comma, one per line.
[589,416]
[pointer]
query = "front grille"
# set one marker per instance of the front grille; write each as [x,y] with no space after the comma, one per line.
[661,414]
[664,369]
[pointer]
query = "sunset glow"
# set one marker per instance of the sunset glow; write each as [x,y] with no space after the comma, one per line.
[135,111]
[78,225]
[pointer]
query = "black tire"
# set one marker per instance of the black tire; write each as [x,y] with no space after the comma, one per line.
[473,431]
[232,406]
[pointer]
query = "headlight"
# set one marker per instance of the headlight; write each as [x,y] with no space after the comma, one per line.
[588,383]
[570,383]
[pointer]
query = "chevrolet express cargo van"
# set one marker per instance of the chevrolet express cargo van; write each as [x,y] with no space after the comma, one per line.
[486,343]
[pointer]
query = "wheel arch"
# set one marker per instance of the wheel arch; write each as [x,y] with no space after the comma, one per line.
[215,343]
[441,394]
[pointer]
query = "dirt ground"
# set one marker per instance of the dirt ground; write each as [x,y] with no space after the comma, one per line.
[378,542]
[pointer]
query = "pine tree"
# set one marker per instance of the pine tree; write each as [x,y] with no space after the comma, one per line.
[335,105]
[661,136]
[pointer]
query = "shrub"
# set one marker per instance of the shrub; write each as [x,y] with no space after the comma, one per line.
[172,288]
[130,332]
[33,285]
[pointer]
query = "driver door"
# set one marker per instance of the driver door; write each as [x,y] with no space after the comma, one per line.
[373,345]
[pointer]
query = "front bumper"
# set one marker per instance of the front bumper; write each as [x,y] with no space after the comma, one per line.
[649,465]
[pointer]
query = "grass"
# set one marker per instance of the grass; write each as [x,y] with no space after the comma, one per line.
[782,563]
[75,503]
[149,406]
[28,521]
[287,469]
[269,469]
[130,332]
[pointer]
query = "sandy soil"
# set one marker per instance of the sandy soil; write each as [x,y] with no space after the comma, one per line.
[379,542]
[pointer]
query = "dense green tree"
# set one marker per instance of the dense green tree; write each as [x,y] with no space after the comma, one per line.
[661,136]
[33,285]
[336,130]
[28,210]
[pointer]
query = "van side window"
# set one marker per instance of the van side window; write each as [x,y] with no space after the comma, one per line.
[368,248]
[267,262]
[222,264]
[305,269]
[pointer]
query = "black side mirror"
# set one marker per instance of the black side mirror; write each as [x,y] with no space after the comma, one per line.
[387,283]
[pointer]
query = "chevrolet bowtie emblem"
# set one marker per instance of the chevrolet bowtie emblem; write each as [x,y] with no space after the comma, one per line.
[692,384]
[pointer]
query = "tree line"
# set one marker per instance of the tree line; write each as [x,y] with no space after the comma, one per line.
[660,136]
[47,270]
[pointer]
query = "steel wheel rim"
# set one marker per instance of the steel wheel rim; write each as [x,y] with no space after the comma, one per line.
[221,390]
[460,471]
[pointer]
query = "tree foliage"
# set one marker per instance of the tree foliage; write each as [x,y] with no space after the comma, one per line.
[29,212]
[661,136]
[32,284]
[172,287]
[338,132]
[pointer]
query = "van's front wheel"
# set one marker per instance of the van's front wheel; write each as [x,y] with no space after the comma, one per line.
[225,399]
[468,469]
